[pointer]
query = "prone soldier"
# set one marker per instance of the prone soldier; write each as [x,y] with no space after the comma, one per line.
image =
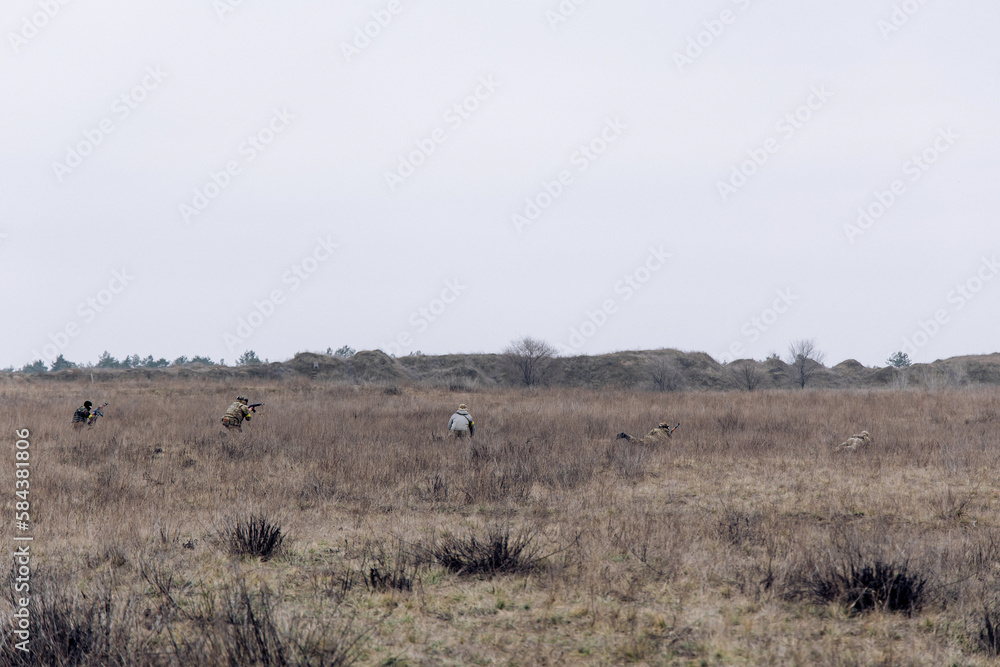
[661,433]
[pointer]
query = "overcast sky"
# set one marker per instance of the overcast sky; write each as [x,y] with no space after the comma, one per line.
[190,177]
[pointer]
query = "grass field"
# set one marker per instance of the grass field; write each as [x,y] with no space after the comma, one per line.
[747,540]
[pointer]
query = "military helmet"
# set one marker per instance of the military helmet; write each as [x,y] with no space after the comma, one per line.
[242,399]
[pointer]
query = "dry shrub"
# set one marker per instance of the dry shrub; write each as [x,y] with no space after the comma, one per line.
[384,569]
[988,636]
[246,631]
[71,627]
[255,535]
[497,553]
[863,578]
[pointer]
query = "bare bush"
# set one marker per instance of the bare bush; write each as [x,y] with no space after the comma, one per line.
[497,553]
[805,359]
[245,631]
[70,627]
[746,375]
[865,580]
[255,535]
[665,374]
[528,360]
[988,636]
[389,568]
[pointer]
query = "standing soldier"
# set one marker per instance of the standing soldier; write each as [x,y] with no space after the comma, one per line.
[461,423]
[82,415]
[236,413]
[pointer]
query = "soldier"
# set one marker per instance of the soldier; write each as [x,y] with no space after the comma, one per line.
[236,413]
[82,415]
[661,433]
[857,441]
[461,423]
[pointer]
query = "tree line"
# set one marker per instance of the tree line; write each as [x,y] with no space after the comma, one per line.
[107,361]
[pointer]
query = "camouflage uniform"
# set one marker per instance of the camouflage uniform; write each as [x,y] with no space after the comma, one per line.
[82,415]
[236,413]
[661,433]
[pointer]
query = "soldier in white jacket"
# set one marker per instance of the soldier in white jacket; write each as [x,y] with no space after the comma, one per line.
[461,423]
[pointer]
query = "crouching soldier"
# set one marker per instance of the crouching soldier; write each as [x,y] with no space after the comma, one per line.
[661,433]
[82,415]
[236,413]
[461,423]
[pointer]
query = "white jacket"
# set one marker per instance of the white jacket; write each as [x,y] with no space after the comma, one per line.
[461,421]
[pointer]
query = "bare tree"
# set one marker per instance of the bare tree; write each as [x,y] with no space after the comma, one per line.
[665,374]
[529,360]
[804,359]
[746,375]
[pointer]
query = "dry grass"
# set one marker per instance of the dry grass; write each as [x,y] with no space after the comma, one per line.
[732,544]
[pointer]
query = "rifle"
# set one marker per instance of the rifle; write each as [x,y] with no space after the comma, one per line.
[255,405]
[95,414]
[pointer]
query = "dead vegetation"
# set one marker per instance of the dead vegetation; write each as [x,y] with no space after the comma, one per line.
[745,539]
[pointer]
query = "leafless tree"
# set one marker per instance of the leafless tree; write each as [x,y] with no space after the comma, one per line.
[665,374]
[529,360]
[746,374]
[804,359]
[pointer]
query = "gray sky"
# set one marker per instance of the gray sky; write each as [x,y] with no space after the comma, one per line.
[202,178]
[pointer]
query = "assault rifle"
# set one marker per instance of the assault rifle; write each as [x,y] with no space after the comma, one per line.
[95,413]
[255,405]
